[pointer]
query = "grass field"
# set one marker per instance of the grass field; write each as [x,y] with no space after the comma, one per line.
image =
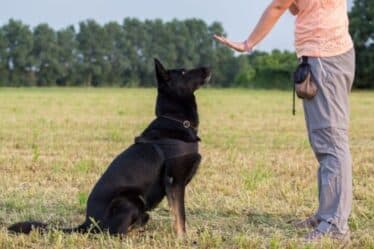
[257,174]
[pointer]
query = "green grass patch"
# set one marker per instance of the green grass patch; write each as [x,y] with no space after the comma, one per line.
[258,171]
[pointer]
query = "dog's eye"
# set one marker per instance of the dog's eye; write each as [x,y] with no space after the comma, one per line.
[183,72]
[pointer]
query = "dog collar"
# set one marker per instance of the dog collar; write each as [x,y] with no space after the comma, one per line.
[186,123]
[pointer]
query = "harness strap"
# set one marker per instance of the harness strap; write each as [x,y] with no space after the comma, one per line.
[169,148]
[158,149]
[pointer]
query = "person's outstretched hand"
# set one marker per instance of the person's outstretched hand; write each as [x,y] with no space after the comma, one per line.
[238,46]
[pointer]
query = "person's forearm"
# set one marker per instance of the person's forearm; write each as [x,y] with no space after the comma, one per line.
[267,21]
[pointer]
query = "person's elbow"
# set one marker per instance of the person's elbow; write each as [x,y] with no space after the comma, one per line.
[281,5]
[294,10]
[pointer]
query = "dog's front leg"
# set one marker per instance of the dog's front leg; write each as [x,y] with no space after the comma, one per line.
[177,177]
[175,196]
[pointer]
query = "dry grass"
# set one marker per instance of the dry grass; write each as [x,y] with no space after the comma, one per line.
[258,172]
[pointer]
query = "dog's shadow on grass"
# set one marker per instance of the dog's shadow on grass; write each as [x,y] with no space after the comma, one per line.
[252,218]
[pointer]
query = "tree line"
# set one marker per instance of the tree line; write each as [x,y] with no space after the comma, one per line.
[122,54]
[116,54]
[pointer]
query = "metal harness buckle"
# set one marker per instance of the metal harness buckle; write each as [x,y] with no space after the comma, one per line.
[186,124]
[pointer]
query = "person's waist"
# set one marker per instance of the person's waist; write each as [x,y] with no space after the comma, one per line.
[323,40]
[323,51]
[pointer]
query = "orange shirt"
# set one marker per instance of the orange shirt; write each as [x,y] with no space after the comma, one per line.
[321,28]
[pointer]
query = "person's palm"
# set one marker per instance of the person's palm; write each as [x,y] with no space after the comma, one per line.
[238,46]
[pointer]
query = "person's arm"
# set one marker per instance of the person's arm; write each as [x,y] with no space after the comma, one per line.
[263,27]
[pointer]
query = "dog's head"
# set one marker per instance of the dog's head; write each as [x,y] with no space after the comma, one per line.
[180,82]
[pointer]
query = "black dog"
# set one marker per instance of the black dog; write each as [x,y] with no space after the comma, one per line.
[162,161]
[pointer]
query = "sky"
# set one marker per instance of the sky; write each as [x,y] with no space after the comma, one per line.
[238,17]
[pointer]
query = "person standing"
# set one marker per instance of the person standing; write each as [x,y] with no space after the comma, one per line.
[321,34]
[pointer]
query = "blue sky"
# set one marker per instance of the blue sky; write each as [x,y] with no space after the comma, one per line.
[237,16]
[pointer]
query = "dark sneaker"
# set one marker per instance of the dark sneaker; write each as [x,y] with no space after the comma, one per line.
[309,223]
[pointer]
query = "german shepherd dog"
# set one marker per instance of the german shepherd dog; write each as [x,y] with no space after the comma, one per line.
[162,161]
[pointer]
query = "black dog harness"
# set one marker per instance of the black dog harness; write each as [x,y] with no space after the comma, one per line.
[169,148]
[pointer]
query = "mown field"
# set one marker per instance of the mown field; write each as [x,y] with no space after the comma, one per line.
[258,172]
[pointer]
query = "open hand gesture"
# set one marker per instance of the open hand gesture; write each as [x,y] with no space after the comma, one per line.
[237,46]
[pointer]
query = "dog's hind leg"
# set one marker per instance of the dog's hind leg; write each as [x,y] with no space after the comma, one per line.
[121,224]
[121,215]
[142,220]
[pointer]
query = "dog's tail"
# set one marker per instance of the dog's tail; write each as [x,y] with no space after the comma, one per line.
[27,227]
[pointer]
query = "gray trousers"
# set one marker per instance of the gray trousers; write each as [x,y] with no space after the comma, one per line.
[327,119]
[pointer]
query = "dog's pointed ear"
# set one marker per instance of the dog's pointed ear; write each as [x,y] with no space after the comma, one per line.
[161,72]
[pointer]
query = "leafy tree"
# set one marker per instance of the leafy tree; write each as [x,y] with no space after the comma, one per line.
[223,62]
[362,30]
[246,73]
[19,41]
[3,59]
[117,60]
[122,54]
[155,42]
[92,61]
[67,56]
[136,39]
[45,54]
[194,44]
[273,70]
